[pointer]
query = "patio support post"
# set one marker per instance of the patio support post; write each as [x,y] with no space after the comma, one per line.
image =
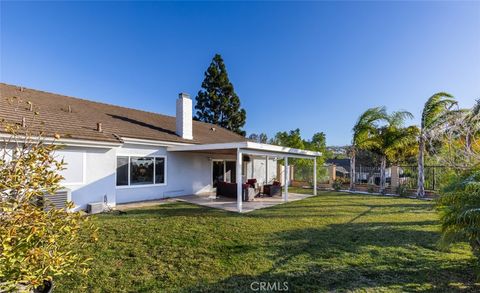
[287,179]
[239,180]
[266,169]
[315,176]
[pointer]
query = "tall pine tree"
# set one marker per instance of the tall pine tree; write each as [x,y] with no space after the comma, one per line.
[217,102]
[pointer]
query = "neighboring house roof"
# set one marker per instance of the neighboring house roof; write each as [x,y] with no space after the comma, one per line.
[81,122]
[343,163]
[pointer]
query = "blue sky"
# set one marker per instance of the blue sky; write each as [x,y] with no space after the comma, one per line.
[313,66]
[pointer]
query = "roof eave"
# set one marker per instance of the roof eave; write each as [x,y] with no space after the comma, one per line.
[248,147]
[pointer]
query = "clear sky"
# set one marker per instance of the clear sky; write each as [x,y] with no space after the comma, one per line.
[313,66]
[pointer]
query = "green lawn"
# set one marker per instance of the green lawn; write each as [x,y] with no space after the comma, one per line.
[332,242]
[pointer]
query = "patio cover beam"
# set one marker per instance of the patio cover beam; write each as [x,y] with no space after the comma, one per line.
[286,180]
[239,180]
[314,176]
[274,154]
[250,147]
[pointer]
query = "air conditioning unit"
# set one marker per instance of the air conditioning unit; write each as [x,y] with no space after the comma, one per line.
[58,200]
[95,207]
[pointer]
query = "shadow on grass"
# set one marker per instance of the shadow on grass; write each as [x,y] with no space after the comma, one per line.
[309,207]
[178,208]
[356,256]
[319,252]
[331,211]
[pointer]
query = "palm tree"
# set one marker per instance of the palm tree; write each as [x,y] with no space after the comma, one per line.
[434,115]
[393,139]
[364,129]
[472,122]
[459,203]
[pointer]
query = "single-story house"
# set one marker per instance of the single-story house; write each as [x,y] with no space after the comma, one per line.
[119,155]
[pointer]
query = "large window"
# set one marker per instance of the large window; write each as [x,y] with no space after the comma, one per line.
[122,171]
[133,171]
[141,170]
[159,170]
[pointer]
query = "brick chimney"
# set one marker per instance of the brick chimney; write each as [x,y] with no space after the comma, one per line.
[184,116]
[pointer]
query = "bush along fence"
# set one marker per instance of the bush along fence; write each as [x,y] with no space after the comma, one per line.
[401,180]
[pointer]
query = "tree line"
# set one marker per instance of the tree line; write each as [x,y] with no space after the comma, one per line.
[293,139]
[447,134]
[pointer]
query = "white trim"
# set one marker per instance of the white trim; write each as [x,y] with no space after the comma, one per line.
[139,141]
[286,174]
[266,169]
[281,149]
[68,141]
[275,154]
[128,175]
[315,176]
[238,166]
[164,168]
[141,185]
[248,147]
[100,144]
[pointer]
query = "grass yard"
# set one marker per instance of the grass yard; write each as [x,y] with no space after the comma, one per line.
[332,242]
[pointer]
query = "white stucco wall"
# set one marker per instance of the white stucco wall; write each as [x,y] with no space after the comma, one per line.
[98,180]
[186,174]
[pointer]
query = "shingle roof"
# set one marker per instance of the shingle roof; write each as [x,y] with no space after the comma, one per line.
[81,122]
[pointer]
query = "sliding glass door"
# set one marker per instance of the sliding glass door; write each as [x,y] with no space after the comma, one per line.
[230,171]
[218,172]
[223,170]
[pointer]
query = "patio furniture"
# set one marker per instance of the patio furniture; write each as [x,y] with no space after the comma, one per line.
[230,190]
[254,184]
[274,189]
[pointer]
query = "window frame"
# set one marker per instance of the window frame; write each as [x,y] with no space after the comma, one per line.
[129,174]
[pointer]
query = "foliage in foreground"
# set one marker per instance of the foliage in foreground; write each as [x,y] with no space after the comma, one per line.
[37,240]
[459,207]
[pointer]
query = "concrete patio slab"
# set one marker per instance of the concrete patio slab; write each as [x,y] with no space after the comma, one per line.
[208,200]
[142,204]
[230,204]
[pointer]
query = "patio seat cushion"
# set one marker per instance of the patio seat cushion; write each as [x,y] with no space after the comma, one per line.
[272,190]
[230,190]
[249,194]
[252,182]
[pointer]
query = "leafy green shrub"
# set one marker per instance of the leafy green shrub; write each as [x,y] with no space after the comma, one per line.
[36,243]
[338,184]
[459,207]
[371,189]
[402,190]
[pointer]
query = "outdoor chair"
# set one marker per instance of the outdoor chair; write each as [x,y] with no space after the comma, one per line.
[230,190]
[274,189]
[254,184]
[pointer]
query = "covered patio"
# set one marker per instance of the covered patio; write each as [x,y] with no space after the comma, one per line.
[238,151]
[230,204]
